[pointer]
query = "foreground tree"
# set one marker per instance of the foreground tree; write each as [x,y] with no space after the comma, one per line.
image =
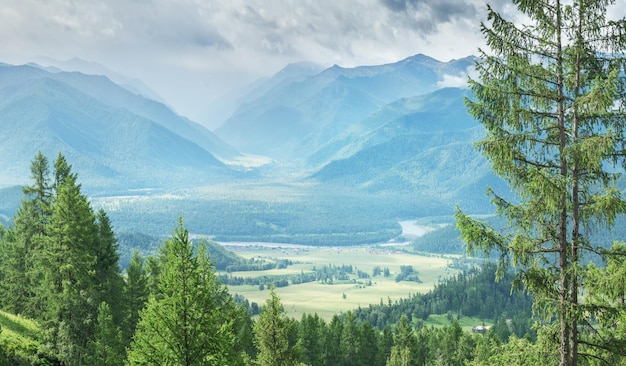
[271,332]
[107,347]
[108,277]
[135,292]
[68,286]
[405,346]
[551,96]
[24,241]
[190,323]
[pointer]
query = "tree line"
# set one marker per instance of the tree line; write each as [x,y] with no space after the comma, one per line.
[59,265]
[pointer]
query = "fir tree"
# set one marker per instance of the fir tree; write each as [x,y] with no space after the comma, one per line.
[350,341]
[311,335]
[271,335]
[135,292]
[68,286]
[405,347]
[191,322]
[109,282]
[107,347]
[551,98]
[24,243]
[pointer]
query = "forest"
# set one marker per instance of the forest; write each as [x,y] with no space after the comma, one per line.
[66,301]
[60,270]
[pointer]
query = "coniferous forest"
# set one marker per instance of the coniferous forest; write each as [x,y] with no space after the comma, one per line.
[60,267]
[60,270]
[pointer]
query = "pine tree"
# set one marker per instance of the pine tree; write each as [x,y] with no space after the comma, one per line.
[551,98]
[109,282]
[190,323]
[107,347]
[135,292]
[332,339]
[271,334]
[311,335]
[405,347]
[23,243]
[62,171]
[68,286]
[350,341]
[370,352]
[607,291]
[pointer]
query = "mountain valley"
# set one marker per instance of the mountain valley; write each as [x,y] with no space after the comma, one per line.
[331,156]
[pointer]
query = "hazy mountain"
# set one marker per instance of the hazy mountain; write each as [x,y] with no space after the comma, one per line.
[93,68]
[103,89]
[421,144]
[113,137]
[224,107]
[293,119]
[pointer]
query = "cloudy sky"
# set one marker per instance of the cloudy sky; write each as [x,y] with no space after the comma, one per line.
[192,52]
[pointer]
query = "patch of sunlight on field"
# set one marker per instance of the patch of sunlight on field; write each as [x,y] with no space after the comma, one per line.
[327,300]
[467,323]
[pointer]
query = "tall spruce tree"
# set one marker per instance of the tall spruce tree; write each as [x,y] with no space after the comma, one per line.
[405,346]
[68,286]
[107,346]
[350,341]
[271,334]
[190,323]
[551,96]
[109,281]
[23,243]
[135,292]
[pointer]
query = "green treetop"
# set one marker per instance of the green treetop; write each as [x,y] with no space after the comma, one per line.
[551,96]
[272,331]
[190,322]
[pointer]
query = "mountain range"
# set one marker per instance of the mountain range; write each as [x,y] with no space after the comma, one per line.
[396,134]
[114,137]
[295,118]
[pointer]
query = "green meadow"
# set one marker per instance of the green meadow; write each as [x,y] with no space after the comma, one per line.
[329,299]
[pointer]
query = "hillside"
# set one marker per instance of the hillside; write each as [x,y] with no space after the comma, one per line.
[294,119]
[116,139]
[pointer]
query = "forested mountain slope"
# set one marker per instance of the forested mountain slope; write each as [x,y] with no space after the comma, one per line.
[293,120]
[117,139]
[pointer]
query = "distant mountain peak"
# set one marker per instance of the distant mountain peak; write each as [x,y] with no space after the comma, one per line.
[298,69]
[291,118]
[421,58]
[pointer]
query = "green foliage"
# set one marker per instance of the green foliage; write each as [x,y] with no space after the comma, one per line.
[550,96]
[61,261]
[408,273]
[405,350]
[272,332]
[109,283]
[20,342]
[135,292]
[68,287]
[190,323]
[107,346]
[339,218]
[472,294]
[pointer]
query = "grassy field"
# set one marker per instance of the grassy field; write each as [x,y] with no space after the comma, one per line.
[467,323]
[328,300]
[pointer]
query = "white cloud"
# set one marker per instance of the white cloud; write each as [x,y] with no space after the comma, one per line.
[193,51]
[453,81]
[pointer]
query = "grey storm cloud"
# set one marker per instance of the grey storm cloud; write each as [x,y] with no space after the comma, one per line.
[426,15]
